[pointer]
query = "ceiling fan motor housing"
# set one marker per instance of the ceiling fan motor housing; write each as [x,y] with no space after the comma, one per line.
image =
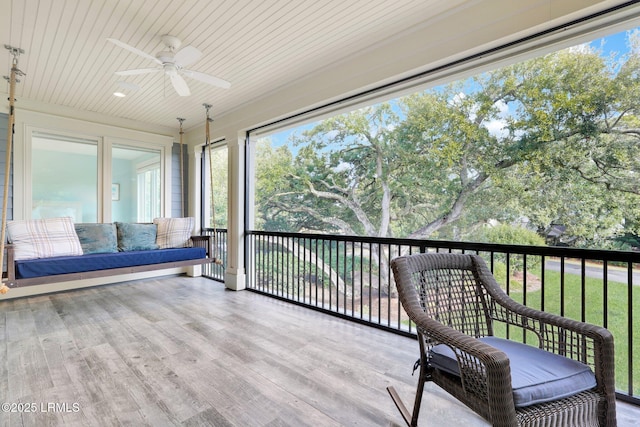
[172,42]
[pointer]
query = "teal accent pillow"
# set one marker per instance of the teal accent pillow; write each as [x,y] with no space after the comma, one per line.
[136,237]
[97,238]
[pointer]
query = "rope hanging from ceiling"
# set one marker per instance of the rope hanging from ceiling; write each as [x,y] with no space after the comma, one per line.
[216,259]
[15,71]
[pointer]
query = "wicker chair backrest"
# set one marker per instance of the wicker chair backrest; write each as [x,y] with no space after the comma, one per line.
[454,296]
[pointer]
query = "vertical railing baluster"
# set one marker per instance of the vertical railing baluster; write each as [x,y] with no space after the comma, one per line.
[605,294]
[304,276]
[630,337]
[543,262]
[330,267]
[561,286]
[524,291]
[361,280]
[353,285]
[315,268]
[379,249]
[583,289]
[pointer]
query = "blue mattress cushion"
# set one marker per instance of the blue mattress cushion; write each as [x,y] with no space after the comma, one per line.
[537,375]
[80,264]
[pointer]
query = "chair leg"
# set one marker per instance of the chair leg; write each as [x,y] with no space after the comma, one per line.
[411,419]
[403,409]
[424,375]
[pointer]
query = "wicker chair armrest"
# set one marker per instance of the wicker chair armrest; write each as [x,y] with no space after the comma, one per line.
[536,320]
[544,318]
[600,335]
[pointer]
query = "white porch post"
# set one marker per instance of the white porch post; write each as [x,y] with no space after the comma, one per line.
[235,274]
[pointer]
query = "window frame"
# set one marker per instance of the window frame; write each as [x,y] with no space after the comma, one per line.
[107,135]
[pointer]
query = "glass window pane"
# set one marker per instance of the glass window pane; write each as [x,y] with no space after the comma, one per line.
[218,179]
[136,184]
[64,177]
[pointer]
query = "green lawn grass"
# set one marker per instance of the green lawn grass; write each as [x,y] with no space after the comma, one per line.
[616,318]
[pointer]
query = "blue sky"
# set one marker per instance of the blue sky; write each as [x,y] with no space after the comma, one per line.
[613,43]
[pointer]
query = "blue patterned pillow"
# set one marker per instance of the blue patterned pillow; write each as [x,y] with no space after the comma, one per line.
[97,238]
[136,237]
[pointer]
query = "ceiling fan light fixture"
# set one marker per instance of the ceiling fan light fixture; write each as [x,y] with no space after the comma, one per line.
[170,69]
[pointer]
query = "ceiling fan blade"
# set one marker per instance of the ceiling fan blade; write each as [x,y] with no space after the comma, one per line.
[187,56]
[137,71]
[215,81]
[134,50]
[179,85]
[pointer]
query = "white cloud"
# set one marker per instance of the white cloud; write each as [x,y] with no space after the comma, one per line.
[342,166]
[498,127]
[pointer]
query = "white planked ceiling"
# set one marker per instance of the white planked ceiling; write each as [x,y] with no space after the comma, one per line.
[258,46]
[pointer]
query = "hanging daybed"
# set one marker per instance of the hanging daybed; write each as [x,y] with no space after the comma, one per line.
[57,250]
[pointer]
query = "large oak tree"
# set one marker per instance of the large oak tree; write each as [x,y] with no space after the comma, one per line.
[552,140]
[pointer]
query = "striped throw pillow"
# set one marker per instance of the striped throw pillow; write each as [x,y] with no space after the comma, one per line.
[43,238]
[174,232]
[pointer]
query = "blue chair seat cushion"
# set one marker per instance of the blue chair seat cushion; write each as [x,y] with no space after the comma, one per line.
[537,375]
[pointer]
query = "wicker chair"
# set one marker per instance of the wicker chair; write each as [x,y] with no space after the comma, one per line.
[457,305]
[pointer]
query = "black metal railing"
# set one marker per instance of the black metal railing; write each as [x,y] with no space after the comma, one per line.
[219,250]
[351,277]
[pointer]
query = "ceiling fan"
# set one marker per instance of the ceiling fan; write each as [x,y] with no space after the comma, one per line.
[172,63]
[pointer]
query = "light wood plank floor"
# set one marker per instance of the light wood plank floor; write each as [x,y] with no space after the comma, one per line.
[185,351]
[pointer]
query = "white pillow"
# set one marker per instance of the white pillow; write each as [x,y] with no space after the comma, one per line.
[43,238]
[174,232]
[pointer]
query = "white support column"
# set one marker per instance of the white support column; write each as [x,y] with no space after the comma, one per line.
[235,274]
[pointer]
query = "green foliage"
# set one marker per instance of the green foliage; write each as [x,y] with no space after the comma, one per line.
[509,234]
[515,235]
